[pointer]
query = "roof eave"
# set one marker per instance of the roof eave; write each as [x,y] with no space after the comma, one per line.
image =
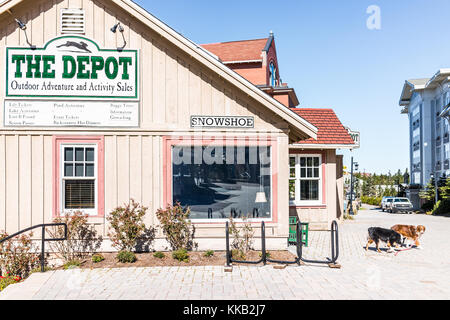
[203,57]
[300,146]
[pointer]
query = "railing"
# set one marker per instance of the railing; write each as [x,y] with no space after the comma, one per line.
[299,248]
[43,239]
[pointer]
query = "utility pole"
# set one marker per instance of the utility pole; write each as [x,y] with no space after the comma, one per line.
[351,190]
[351,186]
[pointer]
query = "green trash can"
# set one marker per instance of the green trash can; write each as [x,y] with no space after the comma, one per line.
[293,231]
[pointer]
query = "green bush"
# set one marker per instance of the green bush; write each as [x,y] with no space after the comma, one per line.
[177,227]
[72,264]
[127,226]
[374,201]
[82,238]
[7,280]
[267,254]
[159,255]
[96,258]
[428,206]
[209,253]
[181,255]
[18,255]
[237,254]
[441,207]
[126,256]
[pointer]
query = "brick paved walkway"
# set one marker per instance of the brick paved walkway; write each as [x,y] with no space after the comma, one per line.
[414,274]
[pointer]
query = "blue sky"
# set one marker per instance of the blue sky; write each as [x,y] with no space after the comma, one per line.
[327,53]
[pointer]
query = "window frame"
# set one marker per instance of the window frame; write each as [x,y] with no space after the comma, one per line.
[298,202]
[224,141]
[57,173]
[92,211]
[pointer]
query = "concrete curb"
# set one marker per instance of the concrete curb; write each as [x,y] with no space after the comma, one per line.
[28,288]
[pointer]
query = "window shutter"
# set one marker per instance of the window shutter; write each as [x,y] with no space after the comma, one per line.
[72,21]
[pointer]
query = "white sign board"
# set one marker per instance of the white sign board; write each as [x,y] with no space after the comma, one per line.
[222,122]
[70,113]
[355,135]
[71,67]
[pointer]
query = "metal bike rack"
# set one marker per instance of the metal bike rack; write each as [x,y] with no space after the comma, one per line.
[43,240]
[299,248]
[263,246]
[334,248]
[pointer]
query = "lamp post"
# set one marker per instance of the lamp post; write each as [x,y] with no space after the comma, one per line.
[436,190]
[351,186]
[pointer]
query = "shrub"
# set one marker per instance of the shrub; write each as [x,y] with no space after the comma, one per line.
[237,254]
[126,225]
[7,280]
[126,256]
[176,227]
[81,238]
[181,255]
[374,201]
[209,253]
[428,206]
[96,258]
[242,238]
[17,255]
[441,207]
[267,254]
[72,264]
[159,255]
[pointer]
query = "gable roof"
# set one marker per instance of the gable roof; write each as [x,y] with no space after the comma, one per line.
[331,131]
[299,128]
[234,51]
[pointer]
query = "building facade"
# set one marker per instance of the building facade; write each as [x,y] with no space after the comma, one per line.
[316,192]
[104,103]
[424,101]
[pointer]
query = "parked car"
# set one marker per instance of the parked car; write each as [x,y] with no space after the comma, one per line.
[385,201]
[402,205]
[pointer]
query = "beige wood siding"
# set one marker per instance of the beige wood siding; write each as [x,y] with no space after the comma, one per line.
[173,86]
[320,218]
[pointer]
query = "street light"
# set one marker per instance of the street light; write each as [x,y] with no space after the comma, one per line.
[356,165]
[436,190]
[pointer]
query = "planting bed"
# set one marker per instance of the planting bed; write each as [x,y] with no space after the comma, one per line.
[196,258]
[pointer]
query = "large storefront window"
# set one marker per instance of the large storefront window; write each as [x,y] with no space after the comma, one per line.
[215,181]
[305,180]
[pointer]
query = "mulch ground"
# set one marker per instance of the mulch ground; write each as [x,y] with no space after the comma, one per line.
[196,258]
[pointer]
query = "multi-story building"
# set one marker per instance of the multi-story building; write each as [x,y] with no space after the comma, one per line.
[424,101]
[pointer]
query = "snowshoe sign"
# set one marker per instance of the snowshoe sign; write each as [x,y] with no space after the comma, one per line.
[72,67]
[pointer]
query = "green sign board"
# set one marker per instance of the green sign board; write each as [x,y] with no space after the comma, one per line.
[72,67]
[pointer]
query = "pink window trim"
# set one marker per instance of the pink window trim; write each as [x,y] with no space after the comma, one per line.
[169,141]
[99,141]
[324,161]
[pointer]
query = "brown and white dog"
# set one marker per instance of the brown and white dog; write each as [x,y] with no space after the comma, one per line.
[412,233]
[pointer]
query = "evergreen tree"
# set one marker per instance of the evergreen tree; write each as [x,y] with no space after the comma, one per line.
[406,176]
[445,190]
[429,192]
